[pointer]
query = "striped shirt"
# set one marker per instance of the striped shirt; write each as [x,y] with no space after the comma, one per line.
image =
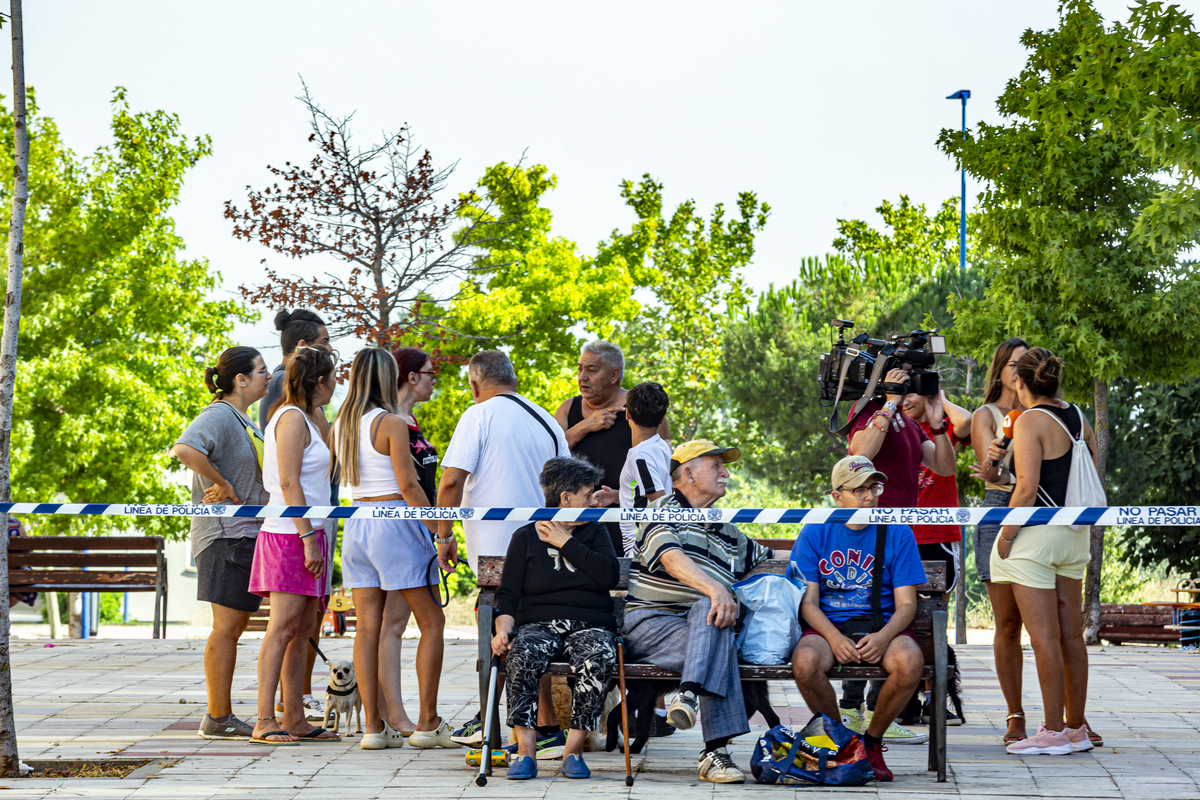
[720,550]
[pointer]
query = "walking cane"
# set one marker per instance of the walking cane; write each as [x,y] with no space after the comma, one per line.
[489,719]
[624,708]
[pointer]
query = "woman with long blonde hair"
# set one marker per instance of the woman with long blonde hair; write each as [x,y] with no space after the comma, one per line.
[389,564]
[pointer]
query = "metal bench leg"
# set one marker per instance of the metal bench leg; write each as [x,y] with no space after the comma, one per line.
[938,723]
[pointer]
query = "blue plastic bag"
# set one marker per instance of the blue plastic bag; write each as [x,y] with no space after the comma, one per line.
[772,626]
[824,753]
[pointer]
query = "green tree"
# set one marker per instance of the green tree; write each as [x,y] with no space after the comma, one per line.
[1155,460]
[531,293]
[693,267]
[1138,80]
[116,326]
[931,239]
[1063,195]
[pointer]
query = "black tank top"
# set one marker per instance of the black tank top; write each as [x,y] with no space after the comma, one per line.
[606,449]
[1057,471]
[425,459]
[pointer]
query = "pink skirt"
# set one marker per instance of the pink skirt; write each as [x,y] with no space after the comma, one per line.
[279,566]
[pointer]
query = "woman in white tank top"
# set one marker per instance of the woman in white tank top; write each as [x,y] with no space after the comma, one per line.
[390,565]
[289,556]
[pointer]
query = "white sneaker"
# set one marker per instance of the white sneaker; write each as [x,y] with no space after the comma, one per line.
[896,734]
[438,737]
[717,767]
[314,709]
[682,711]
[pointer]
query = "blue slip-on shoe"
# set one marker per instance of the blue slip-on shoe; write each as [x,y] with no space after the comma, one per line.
[522,769]
[573,767]
[548,747]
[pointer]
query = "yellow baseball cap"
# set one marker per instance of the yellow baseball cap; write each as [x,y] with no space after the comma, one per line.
[701,447]
[854,471]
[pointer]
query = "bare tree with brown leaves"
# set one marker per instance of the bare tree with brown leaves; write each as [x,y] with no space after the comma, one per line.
[377,210]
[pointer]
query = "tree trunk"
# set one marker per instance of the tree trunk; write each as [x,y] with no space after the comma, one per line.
[1091,586]
[10,762]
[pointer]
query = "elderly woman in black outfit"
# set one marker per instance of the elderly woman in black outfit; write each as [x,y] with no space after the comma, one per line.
[555,593]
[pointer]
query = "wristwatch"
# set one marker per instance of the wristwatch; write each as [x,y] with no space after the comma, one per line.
[447,540]
[939,431]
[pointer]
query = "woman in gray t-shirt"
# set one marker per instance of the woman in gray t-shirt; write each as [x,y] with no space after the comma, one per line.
[223,449]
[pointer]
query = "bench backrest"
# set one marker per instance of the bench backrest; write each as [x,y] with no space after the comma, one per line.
[70,563]
[931,595]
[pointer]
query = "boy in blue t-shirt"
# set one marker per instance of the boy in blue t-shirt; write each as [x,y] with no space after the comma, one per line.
[836,561]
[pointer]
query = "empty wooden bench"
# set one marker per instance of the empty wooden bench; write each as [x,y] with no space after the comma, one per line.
[91,564]
[929,625]
[1131,623]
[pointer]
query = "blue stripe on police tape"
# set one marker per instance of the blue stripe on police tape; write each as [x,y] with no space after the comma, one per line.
[1129,515]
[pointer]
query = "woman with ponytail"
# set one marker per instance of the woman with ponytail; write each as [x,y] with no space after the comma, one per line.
[1045,564]
[290,558]
[223,449]
[390,565]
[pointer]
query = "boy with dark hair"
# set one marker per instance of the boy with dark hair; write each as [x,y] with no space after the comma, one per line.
[646,475]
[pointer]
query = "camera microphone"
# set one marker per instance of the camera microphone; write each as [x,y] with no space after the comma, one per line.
[1007,429]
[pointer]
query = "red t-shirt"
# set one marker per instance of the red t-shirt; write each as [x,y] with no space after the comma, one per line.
[899,458]
[937,490]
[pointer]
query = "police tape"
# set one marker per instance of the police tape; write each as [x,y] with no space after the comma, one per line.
[1112,515]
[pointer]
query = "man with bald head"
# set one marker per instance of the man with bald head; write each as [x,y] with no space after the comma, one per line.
[595,424]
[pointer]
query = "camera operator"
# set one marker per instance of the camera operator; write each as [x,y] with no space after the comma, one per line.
[898,447]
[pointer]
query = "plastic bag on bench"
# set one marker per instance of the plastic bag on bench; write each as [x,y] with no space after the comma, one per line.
[824,753]
[772,626]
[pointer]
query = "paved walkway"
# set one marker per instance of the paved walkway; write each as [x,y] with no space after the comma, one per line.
[143,699]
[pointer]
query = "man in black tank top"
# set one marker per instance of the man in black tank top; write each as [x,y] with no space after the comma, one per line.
[595,424]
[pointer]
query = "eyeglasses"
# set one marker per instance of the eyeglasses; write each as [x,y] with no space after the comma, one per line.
[424,372]
[875,489]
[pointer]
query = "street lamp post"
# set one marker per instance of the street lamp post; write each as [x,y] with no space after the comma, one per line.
[962,225]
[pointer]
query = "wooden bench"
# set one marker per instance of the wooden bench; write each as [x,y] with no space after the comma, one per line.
[1125,623]
[929,624]
[71,564]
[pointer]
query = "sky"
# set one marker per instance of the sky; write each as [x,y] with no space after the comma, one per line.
[822,109]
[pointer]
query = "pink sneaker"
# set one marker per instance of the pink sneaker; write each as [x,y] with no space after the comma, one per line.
[1044,743]
[1081,742]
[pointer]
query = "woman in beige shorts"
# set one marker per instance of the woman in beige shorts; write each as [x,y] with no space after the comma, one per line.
[1045,564]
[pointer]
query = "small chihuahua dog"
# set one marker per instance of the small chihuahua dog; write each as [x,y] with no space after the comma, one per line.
[341,698]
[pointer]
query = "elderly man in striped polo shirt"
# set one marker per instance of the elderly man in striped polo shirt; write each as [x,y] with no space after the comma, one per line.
[680,609]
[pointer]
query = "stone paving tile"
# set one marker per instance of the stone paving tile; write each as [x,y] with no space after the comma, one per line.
[143,699]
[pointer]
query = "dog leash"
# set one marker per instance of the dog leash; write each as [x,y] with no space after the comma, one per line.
[313,642]
[431,584]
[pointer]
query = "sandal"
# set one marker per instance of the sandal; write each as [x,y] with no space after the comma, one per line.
[1009,739]
[318,735]
[1095,738]
[274,738]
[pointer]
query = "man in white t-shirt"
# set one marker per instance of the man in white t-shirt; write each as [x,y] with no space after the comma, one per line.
[496,455]
[495,460]
[646,407]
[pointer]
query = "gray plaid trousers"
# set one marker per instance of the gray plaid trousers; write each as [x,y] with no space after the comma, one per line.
[701,653]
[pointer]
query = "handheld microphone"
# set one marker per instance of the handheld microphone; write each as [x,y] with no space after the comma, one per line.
[1007,429]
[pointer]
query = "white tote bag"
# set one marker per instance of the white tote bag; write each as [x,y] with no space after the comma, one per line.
[1084,489]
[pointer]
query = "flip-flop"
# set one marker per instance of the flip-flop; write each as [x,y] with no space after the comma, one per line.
[315,736]
[272,738]
[1095,738]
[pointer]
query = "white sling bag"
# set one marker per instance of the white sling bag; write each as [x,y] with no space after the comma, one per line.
[1084,489]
